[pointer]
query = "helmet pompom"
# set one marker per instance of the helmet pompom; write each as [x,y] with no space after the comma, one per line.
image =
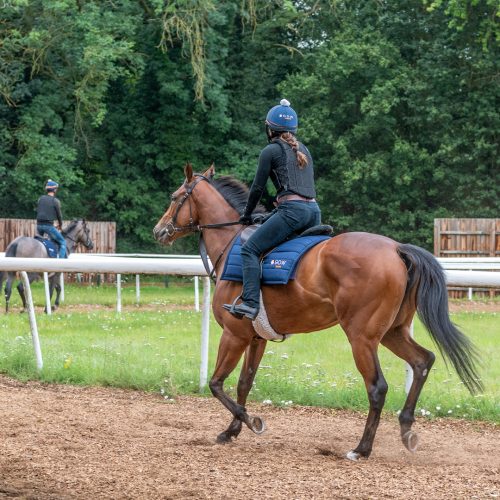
[284,102]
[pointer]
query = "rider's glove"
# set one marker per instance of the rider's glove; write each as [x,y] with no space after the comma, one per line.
[245,220]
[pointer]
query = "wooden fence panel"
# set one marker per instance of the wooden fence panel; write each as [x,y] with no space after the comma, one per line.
[467,238]
[103,235]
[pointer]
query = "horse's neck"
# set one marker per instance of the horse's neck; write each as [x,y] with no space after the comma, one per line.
[217,240]
[70,243]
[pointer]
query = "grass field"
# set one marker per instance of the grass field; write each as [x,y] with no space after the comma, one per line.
[156,347]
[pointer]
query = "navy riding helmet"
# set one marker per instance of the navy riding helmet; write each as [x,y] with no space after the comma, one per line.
[282,118]
[51,185]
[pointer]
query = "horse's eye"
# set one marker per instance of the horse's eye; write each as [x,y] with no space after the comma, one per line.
[173,197]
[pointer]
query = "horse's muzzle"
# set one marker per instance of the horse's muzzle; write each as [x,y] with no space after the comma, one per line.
[163,233]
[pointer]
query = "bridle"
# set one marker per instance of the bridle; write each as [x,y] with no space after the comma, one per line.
[171,228]
[87,244]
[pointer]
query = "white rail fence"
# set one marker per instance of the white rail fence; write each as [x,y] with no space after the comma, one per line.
[179,266]
[470,273]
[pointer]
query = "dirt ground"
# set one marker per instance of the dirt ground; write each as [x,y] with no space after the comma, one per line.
[70,442]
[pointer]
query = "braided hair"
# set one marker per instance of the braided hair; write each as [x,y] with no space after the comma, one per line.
[292,141]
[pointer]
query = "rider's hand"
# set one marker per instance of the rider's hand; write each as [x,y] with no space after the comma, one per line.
[245,220]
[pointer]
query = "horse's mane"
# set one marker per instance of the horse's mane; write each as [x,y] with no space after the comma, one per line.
[70,226]
[235,193]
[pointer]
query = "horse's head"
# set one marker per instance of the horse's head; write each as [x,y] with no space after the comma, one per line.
[181,217]
[79,232]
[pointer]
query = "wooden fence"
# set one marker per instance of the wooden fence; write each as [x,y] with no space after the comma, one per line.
[103,235]
[467,238]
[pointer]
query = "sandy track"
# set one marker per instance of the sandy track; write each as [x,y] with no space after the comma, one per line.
[70,442]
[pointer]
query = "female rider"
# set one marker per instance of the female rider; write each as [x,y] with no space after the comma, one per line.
[290,166]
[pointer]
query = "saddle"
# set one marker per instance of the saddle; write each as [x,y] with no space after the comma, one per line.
[51,246]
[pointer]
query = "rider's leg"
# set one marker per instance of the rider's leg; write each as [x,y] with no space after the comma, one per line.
[290,217]
[59,239]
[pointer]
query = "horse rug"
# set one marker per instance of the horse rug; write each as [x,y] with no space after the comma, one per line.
[278,266]
[50,246]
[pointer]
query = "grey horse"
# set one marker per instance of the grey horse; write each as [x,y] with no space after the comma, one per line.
[74,233]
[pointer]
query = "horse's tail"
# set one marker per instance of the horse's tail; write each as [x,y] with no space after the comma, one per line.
[427,276]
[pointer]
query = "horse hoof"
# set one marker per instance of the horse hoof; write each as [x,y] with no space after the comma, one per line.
[223,438]
[353,455]
[410,440]
[256,424]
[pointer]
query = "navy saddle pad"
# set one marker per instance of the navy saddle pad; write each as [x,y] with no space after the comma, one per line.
[278,266]
[52,248]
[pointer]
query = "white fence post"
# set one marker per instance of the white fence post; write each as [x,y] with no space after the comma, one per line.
[61,283]
[48,307]
[196,294]
[205,326]
[31,313]
[118,293]
[137,289]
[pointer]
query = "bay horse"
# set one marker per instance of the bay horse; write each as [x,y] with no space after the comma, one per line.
[369,284]
[74,233]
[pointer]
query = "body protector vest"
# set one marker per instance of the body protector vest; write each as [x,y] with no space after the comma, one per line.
[48,210]
[289,177]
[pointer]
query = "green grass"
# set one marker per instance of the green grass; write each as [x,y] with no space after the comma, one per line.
[157,348]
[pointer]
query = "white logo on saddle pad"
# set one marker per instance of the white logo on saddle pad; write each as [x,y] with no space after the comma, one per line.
[278,263]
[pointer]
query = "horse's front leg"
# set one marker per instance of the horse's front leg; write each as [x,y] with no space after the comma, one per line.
[231,348]
[253,356]
[8,292]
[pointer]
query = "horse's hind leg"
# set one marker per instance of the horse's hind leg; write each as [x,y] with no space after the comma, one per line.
[399,341]
[53,284]
[20,289]
[231,348]
[365,356]
[253,356]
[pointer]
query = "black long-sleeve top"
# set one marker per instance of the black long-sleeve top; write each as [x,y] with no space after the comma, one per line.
[270,159]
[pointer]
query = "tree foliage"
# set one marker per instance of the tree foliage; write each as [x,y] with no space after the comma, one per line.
[398,102]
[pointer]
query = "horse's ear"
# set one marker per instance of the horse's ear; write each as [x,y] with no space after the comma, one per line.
[188,172]
[209,174]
